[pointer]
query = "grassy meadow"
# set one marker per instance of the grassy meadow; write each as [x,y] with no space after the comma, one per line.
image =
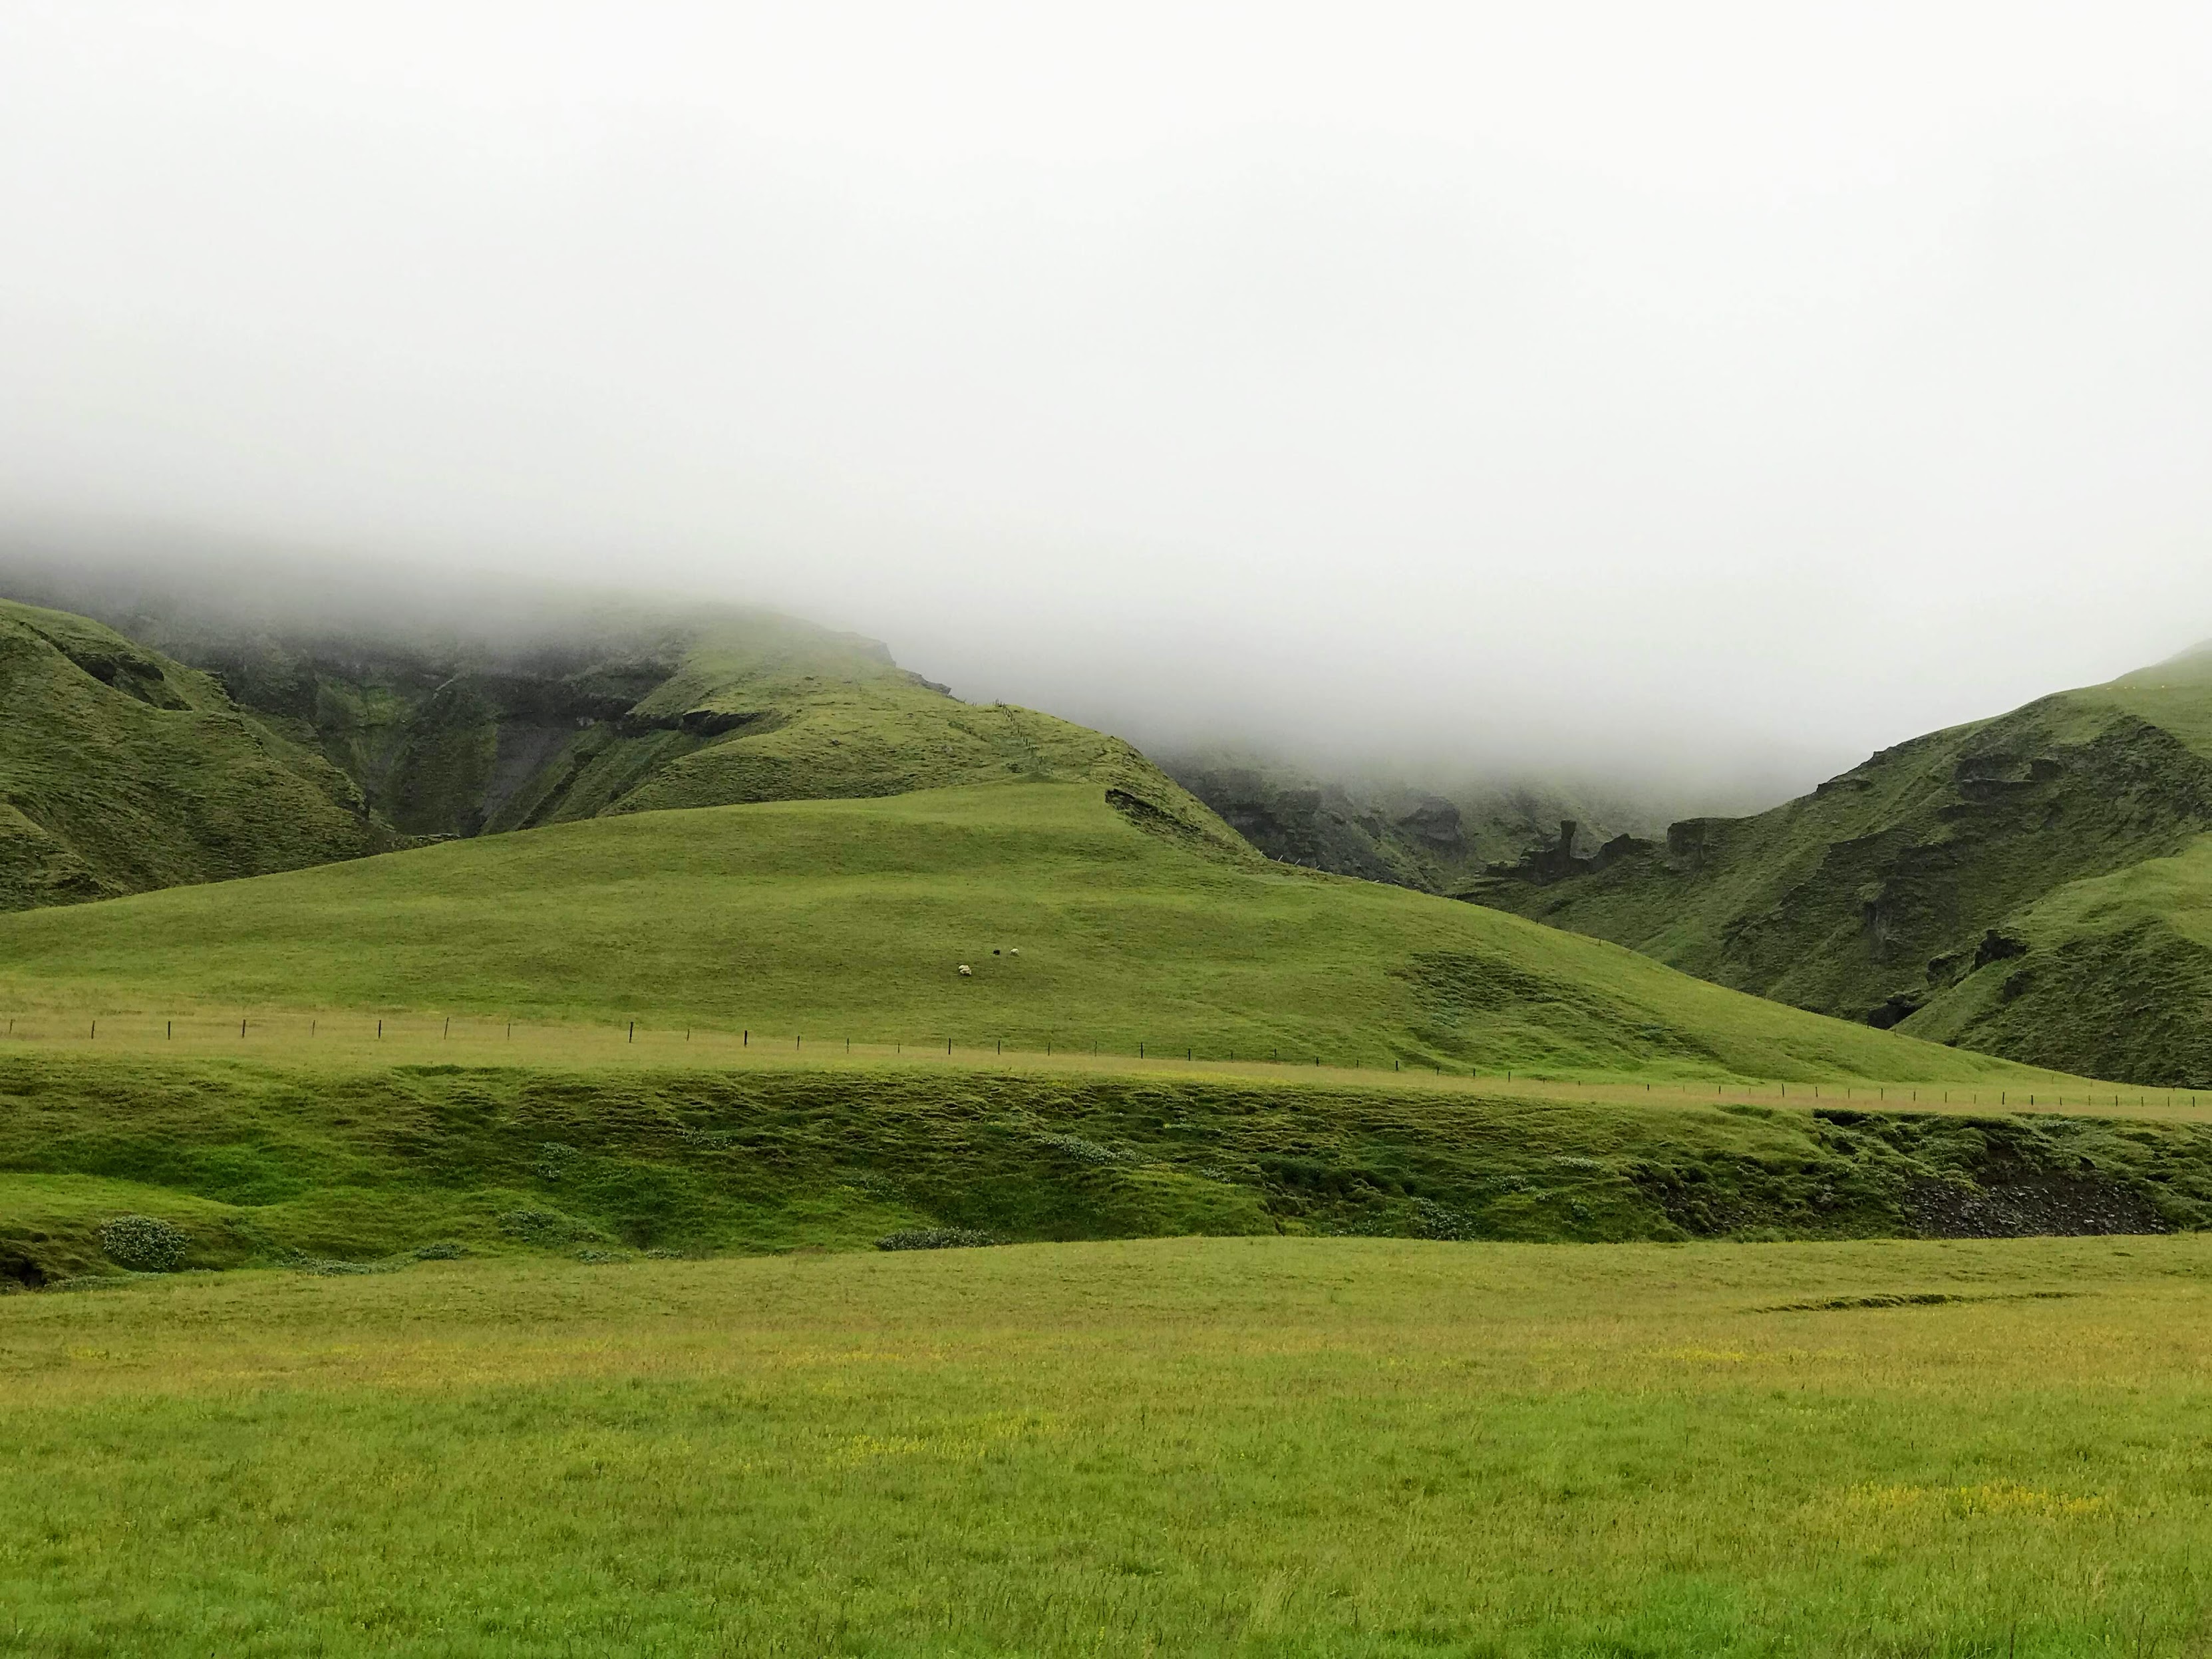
[1227,1446]
[551,1161]
[849,919]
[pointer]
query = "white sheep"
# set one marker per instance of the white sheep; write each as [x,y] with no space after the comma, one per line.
[966,971]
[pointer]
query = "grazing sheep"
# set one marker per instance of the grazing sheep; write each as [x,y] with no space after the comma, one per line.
[1015,951]
[965,970]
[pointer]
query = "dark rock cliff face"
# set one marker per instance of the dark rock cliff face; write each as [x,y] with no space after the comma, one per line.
[1317,827]
[439,744]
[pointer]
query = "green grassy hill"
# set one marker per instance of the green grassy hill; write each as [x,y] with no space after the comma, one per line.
[584,711]
[2031,885]
[131,771]
[121,770]
[1133,923]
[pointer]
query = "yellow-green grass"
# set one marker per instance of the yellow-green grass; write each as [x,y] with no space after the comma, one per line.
[350,1042]
[2176,891]
[2175,695]
[851,919]
[1245,1446]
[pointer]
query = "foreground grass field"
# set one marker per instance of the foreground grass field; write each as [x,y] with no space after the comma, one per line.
[1084,925]
[1342,1447]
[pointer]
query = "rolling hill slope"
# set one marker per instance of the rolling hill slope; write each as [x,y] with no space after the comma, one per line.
[1134,921]
[2033,885]
[131,771]
[121,771]
[505,710]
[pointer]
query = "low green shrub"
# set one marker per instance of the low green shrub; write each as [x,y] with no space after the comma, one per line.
[1086,1152]
[546,1227]
[143,1243]
[556,1159]
[935,1238]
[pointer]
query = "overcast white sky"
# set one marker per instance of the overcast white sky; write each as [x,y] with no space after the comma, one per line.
[1570,385]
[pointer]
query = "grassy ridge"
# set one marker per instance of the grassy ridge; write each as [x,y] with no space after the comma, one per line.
[2023,885]
[121,770]
[853,917]
[261,1163]
[1289,1447]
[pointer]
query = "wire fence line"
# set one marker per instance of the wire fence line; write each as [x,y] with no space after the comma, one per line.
[497,1038]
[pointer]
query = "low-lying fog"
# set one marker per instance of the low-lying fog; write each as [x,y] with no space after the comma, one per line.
[1698,397]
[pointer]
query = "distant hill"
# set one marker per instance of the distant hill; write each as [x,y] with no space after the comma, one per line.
[1437,841]
[442,732]
[121,771]
[729,708]
[1088,913]
[2037,886]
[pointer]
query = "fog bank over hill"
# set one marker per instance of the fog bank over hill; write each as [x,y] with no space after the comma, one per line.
[1713,392]
[208,602]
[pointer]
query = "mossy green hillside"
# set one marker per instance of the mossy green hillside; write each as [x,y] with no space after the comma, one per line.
[255,1162]
[1931,887]
[121,771]
[2114,972]
[1087,916]
[629,710]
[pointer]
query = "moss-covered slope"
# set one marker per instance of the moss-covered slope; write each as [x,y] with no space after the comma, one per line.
[1438,840]
[269,1163]
[2031,885]
[128,770]
[121,770]
[631,711]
